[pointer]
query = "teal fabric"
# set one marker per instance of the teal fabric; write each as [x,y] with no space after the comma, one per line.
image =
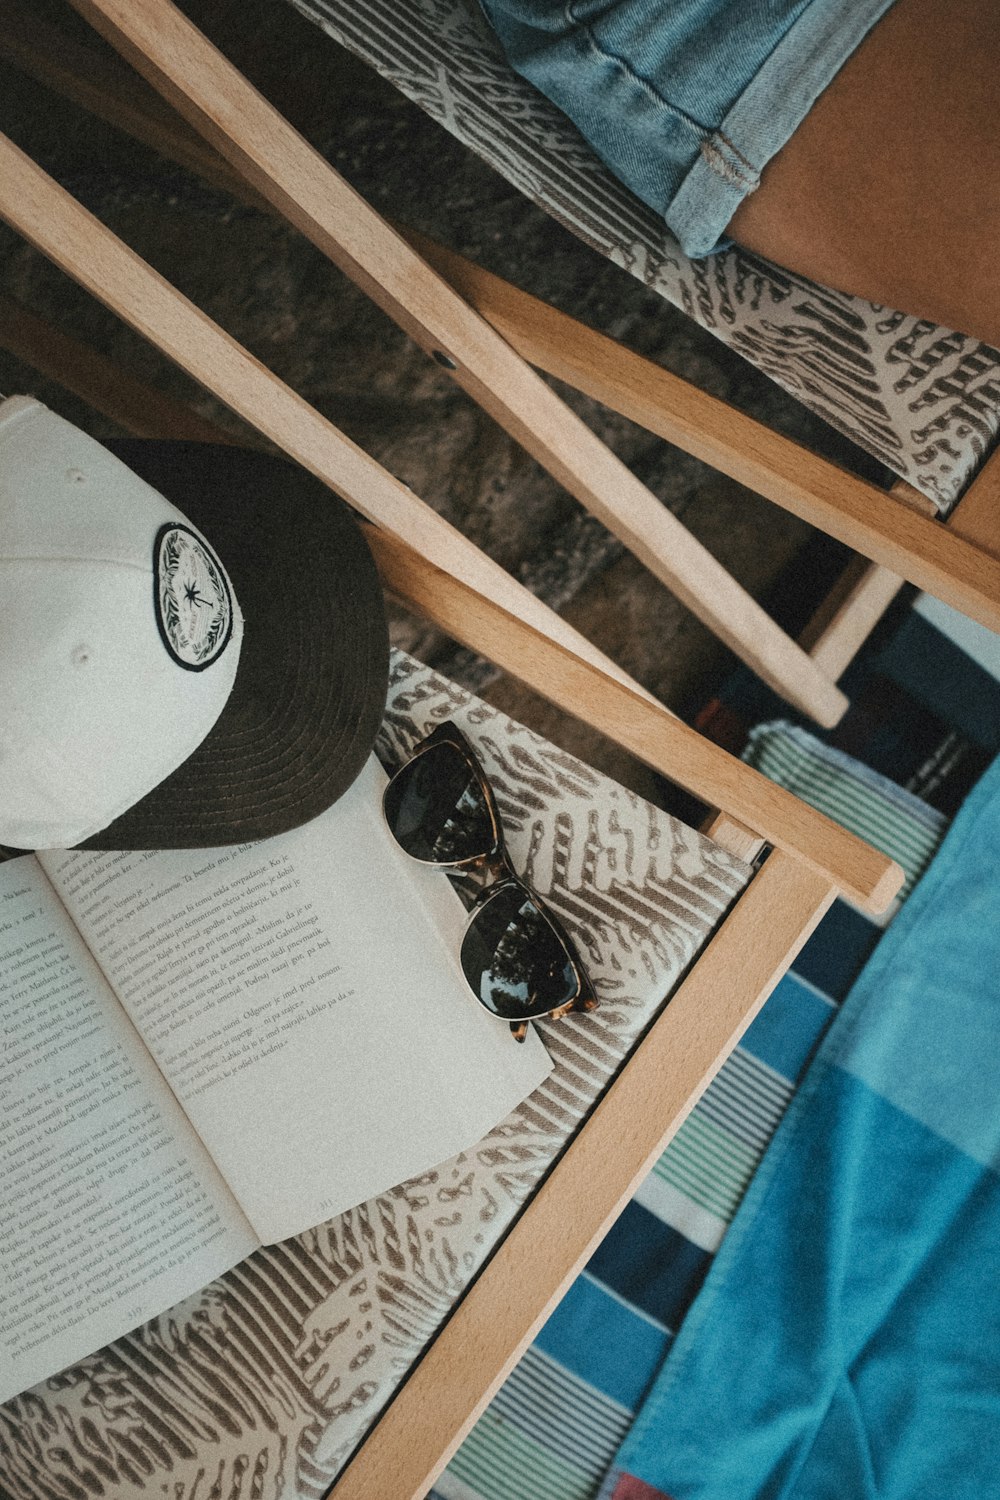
[866,1362]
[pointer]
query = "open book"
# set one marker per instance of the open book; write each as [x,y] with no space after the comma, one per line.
[203,1052]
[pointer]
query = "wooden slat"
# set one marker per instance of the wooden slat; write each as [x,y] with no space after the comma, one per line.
[976,517]
[882,525]
[173,55]
[103,384]
[666,745]
[849,614]
[60,228]
[594,1179]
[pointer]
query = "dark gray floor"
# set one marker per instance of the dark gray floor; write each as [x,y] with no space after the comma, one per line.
[304,320]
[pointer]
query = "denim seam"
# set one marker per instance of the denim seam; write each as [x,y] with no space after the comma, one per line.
[718,151]
[701,131]
[727,162]
[822,39]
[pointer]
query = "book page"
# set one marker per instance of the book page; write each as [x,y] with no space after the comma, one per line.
[304,999]
[112,1209]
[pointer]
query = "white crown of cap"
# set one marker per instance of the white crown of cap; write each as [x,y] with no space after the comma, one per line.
[119,633]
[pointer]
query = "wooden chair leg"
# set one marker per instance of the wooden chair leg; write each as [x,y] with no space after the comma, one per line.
[277,163]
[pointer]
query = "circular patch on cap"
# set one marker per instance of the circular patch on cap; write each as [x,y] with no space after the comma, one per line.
[194,608]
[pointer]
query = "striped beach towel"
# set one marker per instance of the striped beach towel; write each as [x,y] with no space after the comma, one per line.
[924,712]
[869,804]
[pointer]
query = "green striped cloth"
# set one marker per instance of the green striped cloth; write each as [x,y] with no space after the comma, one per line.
[870,805]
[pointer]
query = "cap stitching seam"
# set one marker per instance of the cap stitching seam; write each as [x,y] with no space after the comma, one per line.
[114,562]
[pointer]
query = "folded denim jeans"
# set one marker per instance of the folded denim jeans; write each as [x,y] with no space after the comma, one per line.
[686,101]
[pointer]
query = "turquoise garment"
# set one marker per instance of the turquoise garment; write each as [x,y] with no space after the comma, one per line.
[846,1341]
[686,101]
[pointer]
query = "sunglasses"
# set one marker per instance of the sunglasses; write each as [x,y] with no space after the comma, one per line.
[516,955]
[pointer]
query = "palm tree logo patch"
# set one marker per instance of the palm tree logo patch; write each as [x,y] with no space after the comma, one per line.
[194,607]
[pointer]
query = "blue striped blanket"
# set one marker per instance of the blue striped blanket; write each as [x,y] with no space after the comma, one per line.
[847,1339]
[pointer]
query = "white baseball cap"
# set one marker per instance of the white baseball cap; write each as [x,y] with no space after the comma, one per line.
[138,708]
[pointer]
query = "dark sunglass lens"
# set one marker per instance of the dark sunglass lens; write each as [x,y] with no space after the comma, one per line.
[514,961]
[436,809]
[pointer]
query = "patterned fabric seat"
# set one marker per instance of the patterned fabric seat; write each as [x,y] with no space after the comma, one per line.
[261,1384]
[921,399]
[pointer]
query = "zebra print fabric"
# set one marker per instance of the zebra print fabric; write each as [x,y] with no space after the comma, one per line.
[260,1386]
[921,399]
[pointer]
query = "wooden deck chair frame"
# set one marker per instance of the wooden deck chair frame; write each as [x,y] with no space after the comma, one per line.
[960,565]
[266,152]
[437,573]
[958,561]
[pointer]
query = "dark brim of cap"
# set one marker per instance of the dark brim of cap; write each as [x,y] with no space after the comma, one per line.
[311,684]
